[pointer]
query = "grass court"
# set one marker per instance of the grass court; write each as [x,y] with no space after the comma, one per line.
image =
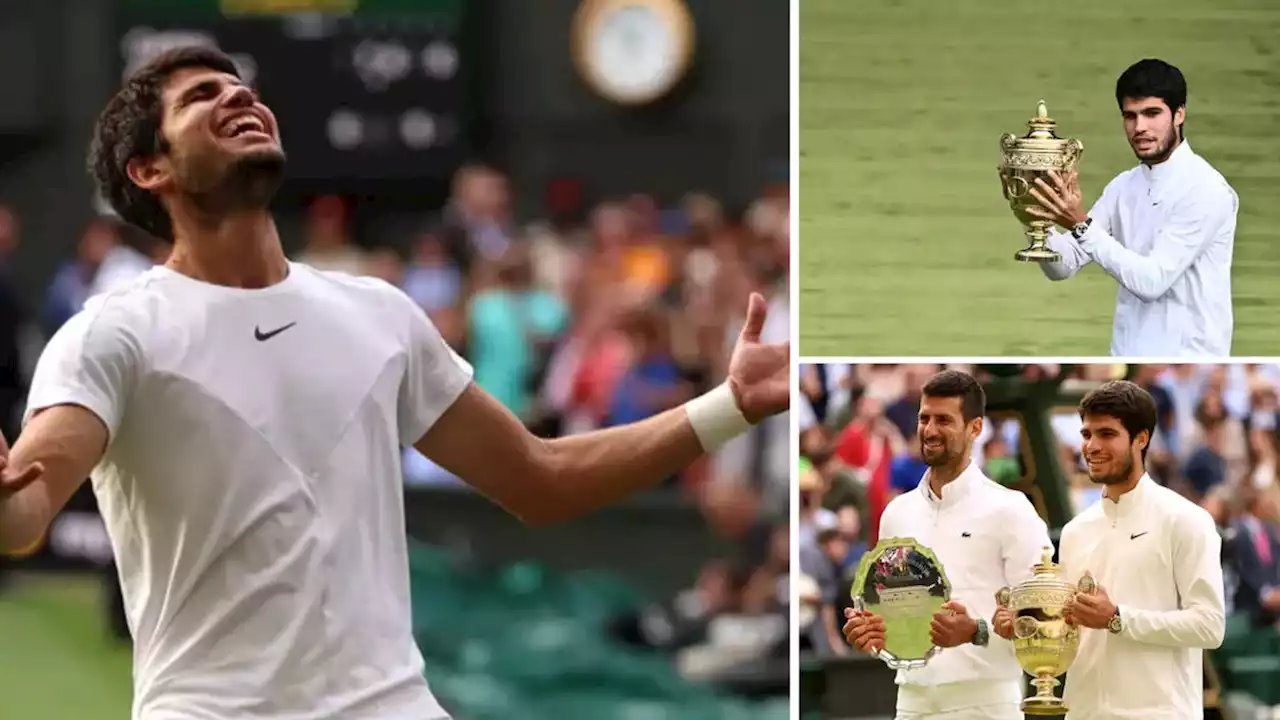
[906,245]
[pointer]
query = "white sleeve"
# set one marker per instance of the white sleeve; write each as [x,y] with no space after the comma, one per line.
[1025,537]
[434,375]
[1073,257]
[91,361]
[1190,228]
[1200,622]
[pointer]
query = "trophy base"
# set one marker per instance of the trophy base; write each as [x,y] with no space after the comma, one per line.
[1037,254]
[1044,702]
[1044,706]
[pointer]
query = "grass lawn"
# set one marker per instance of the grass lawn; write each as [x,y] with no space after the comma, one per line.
[906,245]
[58,661]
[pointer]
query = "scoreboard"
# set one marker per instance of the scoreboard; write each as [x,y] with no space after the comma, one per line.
[363,91]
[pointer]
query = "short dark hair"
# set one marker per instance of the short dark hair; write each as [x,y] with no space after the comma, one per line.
[1153,78]
[1126,402]
[129,127]
[953,383]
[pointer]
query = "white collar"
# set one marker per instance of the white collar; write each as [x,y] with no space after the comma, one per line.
[1128,502]
[954,491]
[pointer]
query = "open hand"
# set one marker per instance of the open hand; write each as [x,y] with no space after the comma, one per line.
[759,374]
[864,631]
[952,626]
[1060,199]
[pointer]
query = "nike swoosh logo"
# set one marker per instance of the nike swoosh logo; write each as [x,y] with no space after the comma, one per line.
[262,337]
[964,534]
[1135,536]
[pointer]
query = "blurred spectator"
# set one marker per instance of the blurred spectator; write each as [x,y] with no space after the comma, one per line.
[476,223]
[74,282]
[328,244]
[824,561]
[654,382]
[512,329]
[1257,558]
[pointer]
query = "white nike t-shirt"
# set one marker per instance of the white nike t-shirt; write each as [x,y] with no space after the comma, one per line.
[252,487]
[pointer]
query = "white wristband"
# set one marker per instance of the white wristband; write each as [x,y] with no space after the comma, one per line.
[715,417]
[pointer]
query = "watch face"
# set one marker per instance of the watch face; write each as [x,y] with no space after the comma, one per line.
[634,51]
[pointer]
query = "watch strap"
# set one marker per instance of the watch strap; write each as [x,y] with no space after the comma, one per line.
[1080,229]
[983,635]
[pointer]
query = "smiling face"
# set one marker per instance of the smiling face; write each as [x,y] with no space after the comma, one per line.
[221,144]
[944,435]
[1110,453]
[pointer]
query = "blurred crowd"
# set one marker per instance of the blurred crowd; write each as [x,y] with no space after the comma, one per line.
[1215,443]
[573,323]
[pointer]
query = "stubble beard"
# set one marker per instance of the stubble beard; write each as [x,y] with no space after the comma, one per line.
[250,183]
[1116,478]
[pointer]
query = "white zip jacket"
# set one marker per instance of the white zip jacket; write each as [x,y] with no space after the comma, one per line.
[1158,556]
[986,536]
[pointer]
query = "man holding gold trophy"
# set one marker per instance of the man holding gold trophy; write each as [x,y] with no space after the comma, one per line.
[1150,600]
[1165,230]
[945,548]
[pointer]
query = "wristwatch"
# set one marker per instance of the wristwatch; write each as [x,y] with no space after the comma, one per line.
[1115,625]
[1080,229]
[983,635]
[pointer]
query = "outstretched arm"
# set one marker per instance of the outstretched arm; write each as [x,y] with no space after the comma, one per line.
[76,402]
[50,461]
[546,481]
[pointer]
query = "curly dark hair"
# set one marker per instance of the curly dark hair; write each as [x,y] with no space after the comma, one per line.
[129,127]
[1126,402]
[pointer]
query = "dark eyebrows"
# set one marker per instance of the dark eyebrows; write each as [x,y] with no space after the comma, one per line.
[204,86]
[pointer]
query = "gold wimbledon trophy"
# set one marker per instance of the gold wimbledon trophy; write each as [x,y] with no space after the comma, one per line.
[902,581]
[1023,159]
[1044,643]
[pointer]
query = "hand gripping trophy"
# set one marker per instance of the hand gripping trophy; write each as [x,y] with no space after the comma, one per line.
[1043,641]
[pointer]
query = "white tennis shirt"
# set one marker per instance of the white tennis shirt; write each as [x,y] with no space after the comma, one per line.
[987,537]
[252,487]
[1166,234]
[1158,555]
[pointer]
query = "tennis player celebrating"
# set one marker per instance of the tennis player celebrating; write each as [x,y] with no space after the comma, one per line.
[243,417]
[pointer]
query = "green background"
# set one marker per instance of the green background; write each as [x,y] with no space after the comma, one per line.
[906,245]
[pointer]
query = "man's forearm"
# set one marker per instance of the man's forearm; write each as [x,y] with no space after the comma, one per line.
[601,468]
[24,517]
[66,441]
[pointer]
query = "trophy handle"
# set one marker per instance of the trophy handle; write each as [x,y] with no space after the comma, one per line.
[1008,141]
[1073,151]
[1003,596]
[1087,584]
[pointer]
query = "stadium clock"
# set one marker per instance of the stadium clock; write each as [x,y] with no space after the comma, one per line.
[632,52]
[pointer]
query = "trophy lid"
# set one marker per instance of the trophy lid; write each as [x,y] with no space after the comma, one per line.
[1046,564]
[1041,127]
